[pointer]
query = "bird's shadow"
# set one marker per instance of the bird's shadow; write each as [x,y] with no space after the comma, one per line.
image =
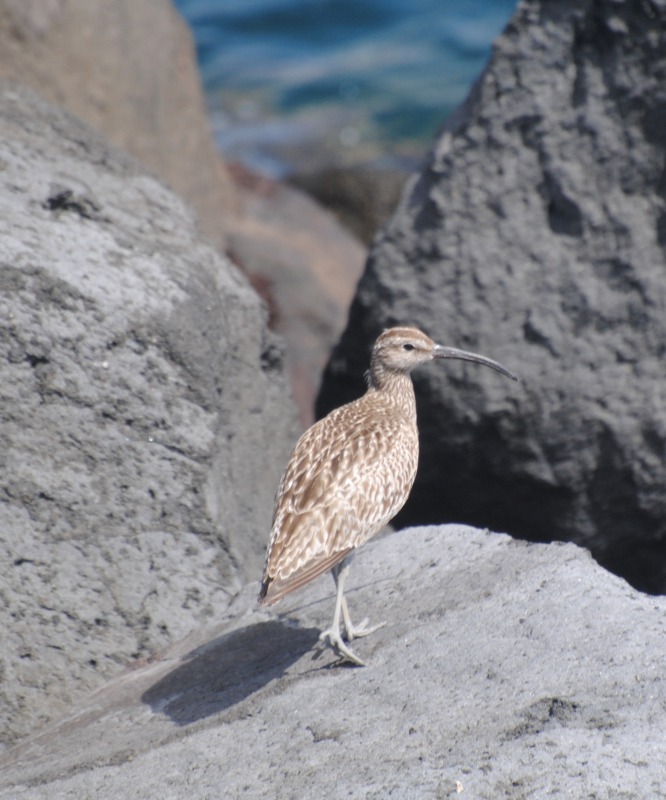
[227,670]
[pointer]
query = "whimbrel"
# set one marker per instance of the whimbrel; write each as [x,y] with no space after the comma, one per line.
[349,475]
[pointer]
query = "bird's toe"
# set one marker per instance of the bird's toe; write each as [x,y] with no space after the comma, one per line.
[333,639]
[358,632]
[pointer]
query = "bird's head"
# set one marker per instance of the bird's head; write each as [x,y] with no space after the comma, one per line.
[400,350]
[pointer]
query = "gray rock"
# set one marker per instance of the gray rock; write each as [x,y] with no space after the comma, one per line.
[536,235]
[506,670]
[144,416]
[142,91]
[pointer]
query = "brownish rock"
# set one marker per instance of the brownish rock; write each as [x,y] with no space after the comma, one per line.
[362,199]
[305,265]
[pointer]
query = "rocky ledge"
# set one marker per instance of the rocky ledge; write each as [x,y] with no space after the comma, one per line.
[506,670]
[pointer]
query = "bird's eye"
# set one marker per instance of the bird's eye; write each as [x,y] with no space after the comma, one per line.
[408,346]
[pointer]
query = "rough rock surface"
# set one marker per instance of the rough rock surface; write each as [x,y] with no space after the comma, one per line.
[506,670]
[536,234]
[144,416]
[128,68]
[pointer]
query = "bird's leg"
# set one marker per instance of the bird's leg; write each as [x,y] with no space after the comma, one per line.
[331,635]
[351,631]
[362,630]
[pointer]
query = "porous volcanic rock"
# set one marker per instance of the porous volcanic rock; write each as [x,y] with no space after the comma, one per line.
[506,670]
[536,234]
[144,415]
[127,67]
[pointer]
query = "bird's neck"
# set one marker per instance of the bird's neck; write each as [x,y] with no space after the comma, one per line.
[394,386]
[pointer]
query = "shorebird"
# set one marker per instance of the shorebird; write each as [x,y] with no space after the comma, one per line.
[349,475]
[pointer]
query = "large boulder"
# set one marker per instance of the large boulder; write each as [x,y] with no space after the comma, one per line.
[536,234]
[128,68]
[506,670]
[144,415]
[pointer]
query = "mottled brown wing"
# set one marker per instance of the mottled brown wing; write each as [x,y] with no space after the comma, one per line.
[348,476]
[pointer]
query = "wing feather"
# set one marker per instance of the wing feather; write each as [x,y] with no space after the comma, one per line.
[347,477]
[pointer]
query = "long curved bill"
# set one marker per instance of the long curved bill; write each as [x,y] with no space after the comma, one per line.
[453,352]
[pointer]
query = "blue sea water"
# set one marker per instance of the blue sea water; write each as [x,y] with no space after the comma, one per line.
[338,80]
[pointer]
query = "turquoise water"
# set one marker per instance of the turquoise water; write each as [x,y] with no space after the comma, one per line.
[342,80]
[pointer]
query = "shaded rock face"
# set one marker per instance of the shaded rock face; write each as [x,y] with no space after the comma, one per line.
[536,235]
[128,68]
[144,416]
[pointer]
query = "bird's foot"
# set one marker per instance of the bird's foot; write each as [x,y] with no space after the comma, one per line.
[332,638]
[354,632]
